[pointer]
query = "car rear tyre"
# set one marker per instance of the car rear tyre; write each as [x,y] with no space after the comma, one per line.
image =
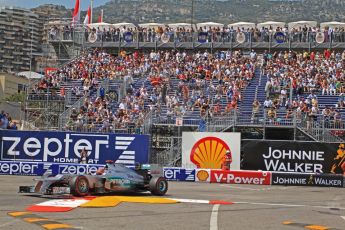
[79,186]
[158,186]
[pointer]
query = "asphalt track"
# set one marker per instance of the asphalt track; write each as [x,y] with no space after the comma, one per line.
[255,207]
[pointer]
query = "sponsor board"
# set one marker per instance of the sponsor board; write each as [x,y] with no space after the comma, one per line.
[240,177]
[279,37]
[39,168]
[207,149]
[65,147]
[202,37]
[202,175]
[21,168]
[179,174]
[302,179]
[299,157]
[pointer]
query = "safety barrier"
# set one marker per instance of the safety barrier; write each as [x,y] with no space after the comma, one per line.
[22,168]
[180,174]
[254,177]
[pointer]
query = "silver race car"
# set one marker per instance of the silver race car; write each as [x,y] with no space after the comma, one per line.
[111,178]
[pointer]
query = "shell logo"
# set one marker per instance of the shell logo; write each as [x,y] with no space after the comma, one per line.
[202,175]
[209,153]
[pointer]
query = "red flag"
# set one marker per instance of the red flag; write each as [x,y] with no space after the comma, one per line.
[87,19]
[76,13]
[100,17]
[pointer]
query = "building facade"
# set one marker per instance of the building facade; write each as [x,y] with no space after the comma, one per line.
[19,38]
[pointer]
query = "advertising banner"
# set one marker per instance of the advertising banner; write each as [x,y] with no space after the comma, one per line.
[179,174]
[40,168]
[202,37]
[279,37]
[302,179]
[202,175]
[285,156]
[240,177]
[128,37]
[207,149]
[65,147]
[21,168]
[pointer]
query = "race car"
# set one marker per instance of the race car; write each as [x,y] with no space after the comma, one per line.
[113,177]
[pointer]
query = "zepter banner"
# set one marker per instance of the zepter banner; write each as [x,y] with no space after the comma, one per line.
[207,150]
[320,37]
[240,37]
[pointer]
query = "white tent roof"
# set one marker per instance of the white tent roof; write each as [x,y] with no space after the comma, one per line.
[100,25]
[302,24]
[151,25]
[209,24]
[33,75]
[332,25]
[180,25]
[272,24]
[124,24]
[241,25]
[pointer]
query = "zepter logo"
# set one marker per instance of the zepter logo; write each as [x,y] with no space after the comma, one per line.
[209,153]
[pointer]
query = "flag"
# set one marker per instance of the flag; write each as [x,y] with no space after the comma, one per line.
[76,13]
[87,19]
[100,17]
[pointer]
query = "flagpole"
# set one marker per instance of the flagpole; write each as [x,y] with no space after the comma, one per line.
[91,10]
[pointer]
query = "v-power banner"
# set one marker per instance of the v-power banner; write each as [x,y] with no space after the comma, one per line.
[65,147]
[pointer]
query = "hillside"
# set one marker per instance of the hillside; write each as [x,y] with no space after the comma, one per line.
[219,11]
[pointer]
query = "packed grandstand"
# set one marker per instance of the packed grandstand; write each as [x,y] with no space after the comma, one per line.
[163,87]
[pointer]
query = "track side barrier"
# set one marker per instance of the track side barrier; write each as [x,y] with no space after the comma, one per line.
[303,179]
[254,177]
[40,168]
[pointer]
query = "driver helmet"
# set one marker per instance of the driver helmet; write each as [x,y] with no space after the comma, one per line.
[137,166]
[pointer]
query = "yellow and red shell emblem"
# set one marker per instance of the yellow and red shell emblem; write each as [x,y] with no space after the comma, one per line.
[209,153]
[202,175]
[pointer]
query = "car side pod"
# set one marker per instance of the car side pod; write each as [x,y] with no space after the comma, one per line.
[158,186]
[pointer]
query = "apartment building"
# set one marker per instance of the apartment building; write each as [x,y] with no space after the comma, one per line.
[19,38]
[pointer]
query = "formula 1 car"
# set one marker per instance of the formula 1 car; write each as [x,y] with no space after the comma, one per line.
[112,178]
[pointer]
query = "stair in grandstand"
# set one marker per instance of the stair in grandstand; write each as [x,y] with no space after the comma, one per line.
[61,51]
[256,90]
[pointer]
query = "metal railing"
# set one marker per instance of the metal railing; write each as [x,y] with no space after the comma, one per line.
[65,116]
[80,36]
[322,129]
[170,156]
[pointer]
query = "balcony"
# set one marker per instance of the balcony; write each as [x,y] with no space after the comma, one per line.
[9,47]
[17,62]
[18,53]
[9,38]
[18,43]
[8,56]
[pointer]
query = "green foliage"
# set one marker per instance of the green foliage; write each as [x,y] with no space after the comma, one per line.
[17,97]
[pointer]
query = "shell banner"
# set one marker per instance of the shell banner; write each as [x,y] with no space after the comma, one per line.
[208,149]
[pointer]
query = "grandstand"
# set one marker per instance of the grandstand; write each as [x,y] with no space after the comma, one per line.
[166,92]
[148,84]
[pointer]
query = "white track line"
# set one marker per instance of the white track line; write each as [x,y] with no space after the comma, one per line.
[343,217]
[214,217]
[291,205]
